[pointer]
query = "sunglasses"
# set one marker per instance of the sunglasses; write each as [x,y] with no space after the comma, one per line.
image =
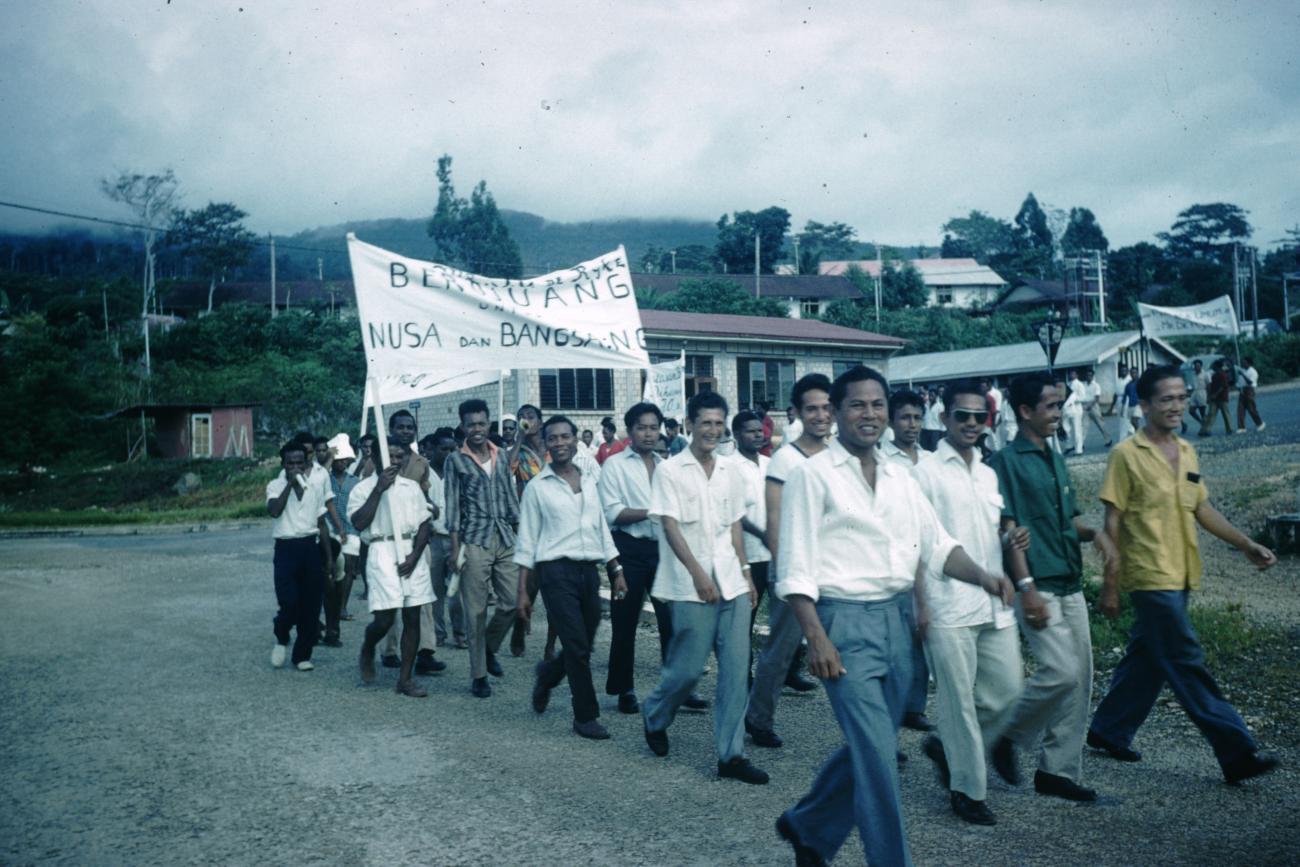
[965,415]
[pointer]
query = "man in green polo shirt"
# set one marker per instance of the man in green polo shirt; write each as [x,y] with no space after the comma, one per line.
[1037,494]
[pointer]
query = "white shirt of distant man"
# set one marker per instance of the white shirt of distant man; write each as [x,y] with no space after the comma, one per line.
[405,505]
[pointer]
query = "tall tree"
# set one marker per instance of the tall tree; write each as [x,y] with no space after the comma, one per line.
[1083,233]
[470,234]
[1132,271]
[715,295]
[977,236]
[736,239]
[151,199]
[1206,231]
[1031,225]
[216,236]
[819,241]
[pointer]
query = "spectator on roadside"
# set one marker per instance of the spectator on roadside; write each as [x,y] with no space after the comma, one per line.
[1247,382]
[1122,379]
[611,445]
[1152,523]
[1220,392]
[1200,391]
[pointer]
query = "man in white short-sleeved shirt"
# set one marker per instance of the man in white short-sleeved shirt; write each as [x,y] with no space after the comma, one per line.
[698,499]
[972,644]
[396,570]
[301,548]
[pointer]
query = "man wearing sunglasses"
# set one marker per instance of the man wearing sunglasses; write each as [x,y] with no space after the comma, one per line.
[971,642]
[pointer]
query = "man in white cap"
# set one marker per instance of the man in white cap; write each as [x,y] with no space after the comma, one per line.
[344,540]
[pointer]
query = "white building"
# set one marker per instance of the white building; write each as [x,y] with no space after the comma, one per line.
[950,282]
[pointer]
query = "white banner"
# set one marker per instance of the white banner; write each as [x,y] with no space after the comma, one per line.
[1212,317]
[420,316]
[665,387]
[416,386]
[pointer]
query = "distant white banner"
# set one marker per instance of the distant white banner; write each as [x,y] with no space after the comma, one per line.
[1212,317]
[416,386]
[419,316]
[665,387]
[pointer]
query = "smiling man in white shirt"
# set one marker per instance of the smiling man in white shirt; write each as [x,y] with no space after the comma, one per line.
[972,645]
[699,501]
[563,537]
[854,530]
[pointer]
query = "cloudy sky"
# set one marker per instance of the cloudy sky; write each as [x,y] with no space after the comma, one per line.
[891,117]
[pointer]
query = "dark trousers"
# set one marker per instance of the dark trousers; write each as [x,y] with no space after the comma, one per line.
[335,594]
[1164,649]
[299,584]
[571,591]
[758,573]
[639,559]
[1246,404]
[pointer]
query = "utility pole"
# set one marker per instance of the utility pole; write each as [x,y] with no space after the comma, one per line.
[758,245]
[673,253]
[272,237]
[1101,291]
[1254,294]
[320,269]
[797,269]
[880,276]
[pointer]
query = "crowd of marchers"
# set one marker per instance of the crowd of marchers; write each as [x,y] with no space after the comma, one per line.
[900,538]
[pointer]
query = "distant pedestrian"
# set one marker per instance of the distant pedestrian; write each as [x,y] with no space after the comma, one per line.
[1072,413]
[1220,392]
[1091,400]
[301,548]
[932,423]
[344,541]
[676,442]
[1152,521]
[1122,378]
[1247,382]
[1200,391]
[611,445]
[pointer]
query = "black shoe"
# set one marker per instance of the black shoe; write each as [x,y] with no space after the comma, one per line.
[390,661]
[799,683]
[933,748]
[1250,765]
[331,641]
[1115,751]
[480,688]
[1061,787]
[541,692]
[628,704]
[1004,761]
[695,702]
[975,812]
[917,722]
[900,758]
[592,730]
[804,855]
[427,663]
[658,742]
[763,737]
[494,667]
[739,768]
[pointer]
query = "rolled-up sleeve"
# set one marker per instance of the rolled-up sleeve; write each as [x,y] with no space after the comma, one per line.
[802,507]
[530,528]
[935,543]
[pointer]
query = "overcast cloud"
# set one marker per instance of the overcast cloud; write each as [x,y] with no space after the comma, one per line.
[891,117]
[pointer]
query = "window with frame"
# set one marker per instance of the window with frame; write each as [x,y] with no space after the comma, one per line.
[765,379]
[841,366]
[201,435]
[810,308]
[943,296]
[576,388]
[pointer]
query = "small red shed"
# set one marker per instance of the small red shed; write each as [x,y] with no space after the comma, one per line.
[199,430]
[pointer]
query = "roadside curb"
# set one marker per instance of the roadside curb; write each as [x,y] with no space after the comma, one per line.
[130,530]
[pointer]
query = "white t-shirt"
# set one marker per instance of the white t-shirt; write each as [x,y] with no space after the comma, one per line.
[755,504]
[300,515]
[784,460]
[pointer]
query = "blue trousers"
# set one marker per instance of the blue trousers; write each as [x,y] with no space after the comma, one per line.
[918,689]
[1162,649]
[698,630]
[299,592]
[858,784]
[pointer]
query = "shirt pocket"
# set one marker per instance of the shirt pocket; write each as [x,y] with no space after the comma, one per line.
[689,509]
[992,503]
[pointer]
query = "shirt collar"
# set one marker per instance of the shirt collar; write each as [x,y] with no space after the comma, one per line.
[1022,443]
[840,455]
[492,451]
[629,454]
[945,452]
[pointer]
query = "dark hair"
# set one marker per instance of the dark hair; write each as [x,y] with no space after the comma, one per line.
[304,437]
[521,409]
[745,416]
[368,438]
[960,387]
[672,422]
[810,382]
[558,419]
[442,433]
[1146,387]
[705,400]
[608,422]
[392,419]
[1247,361]
[292,446]
[1027,390]
[428,441]
[472,406]
[315,441]
[634,414]
[394,441]
[904,397]
[861,373]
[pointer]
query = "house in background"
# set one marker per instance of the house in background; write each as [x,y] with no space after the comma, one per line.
[961,283]
[198,430]
[805,296]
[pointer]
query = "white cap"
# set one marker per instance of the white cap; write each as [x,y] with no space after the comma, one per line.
[341,447]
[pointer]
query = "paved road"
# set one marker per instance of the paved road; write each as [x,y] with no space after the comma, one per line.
[140,723]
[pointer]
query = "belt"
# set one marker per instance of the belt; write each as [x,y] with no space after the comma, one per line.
[374,539]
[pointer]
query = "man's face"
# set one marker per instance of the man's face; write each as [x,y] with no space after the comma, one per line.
[966,417]
[815,412]
[1087,376]
[861,415]
[1123,371]
[661,447]
[560,442]
[907,426]
[509,428]
[1045,418]
[441,449]
[294,462]
[365,448]
[476,429]
[707,429]
[670,430]
[607,433]
[1167,404]
[404,429]
[323,454]
[587,437]
[529,421]
[790,414]
[1196,365]
[398,455]
[644,433]
[749,439]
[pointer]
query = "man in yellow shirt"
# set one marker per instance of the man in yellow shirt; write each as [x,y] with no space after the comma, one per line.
[1154,499]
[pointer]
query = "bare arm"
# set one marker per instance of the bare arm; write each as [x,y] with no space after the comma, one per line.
[1213,521]
[738,544]
[823,659]
[704,583]
[275,506]
[631,516]
[772,495]
[1109,601]
[959,565]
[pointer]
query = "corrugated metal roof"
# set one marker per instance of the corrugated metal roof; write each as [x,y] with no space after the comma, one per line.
[1089,349]
[661,322]
[935,272]
[770,285]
